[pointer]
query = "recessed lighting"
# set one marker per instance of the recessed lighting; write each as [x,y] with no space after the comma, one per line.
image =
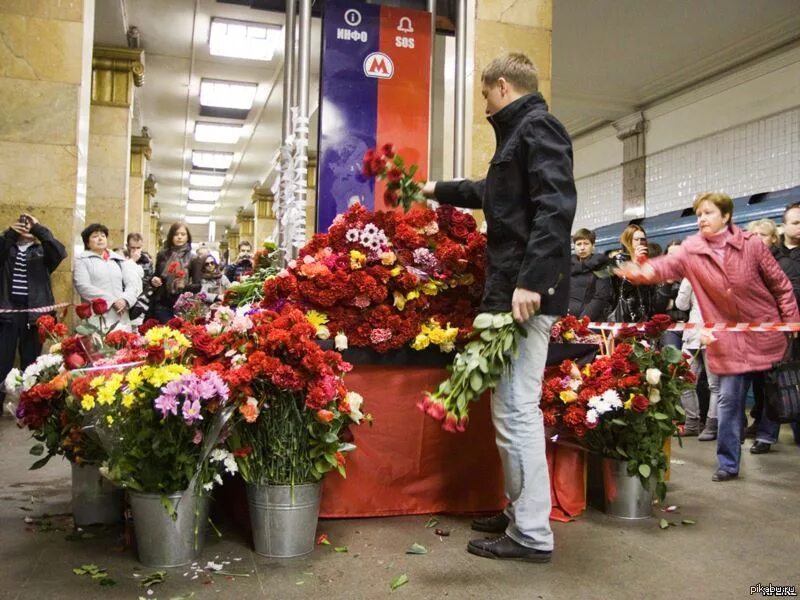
[200,208]
[227,94]
[244,39]
[212,160]
[217,133]
[197,219]
[203,180]
[203,195]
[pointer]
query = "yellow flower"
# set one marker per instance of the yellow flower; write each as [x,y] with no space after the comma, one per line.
[110,419]
[87,402]
[396,271]
[399,300]
[134,378]
[357,259]
[388,258]
[569,335]
[105,396]
[430,288]
[128,400]
[627,404]
[316,318]
[587,370]
[412,295]
[420,342]
[568,396]
[97,381]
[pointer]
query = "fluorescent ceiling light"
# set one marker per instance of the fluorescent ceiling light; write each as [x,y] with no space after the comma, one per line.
[203,195]
[244,39]
[200,208]
[212,160]
[203,180]
[217,133]
[227,94]
[197,220]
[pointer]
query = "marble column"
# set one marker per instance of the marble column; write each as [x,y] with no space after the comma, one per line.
[155,235]
[45,84]
[232,237]
[115,72]
[141,151]
[631,132]
[502,26]
[263,200]
[247,225]
[311,196]
[150,191]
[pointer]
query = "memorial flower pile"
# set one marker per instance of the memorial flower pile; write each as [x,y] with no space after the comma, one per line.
[573,330]
[387,279]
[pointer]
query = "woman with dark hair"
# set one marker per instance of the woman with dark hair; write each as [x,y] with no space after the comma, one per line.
[176,272]
[735,279]
[213,282]
[100,273]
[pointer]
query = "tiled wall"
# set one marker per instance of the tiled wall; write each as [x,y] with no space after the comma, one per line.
[599,199]
[761,156]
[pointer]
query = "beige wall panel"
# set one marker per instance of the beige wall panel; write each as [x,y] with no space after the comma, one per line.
[37,175]
[537,13]
[111,121]
[38,111]
[60,10]
[33,48]
[493,39]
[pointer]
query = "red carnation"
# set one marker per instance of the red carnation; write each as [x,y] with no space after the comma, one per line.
[99,306]
[84,311]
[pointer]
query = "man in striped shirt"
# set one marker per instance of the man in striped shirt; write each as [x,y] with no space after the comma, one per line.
[28,255]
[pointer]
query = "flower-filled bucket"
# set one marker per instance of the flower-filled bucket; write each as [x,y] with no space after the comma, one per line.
[625,496]
[284,518]
[95,500]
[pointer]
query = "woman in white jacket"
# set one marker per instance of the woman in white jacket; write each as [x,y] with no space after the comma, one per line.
[692,344]
[101,273]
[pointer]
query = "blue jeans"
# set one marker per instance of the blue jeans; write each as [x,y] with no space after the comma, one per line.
[768,430]
[519,432]
[730,418]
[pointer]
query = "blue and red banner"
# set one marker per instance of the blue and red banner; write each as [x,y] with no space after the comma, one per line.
[375,89]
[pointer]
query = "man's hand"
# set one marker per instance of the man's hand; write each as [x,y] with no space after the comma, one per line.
[429,190]
[524,304]
[636,273]
[120,305]
[20,228]
[156,282]
[31,220]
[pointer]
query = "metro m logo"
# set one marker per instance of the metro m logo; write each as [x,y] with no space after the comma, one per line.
[379,66]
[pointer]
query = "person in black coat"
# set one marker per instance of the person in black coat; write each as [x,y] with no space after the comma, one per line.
[635,303]
[528,199]
[28,255]
[591,292]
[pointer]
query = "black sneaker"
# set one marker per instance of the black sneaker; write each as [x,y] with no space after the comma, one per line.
[760,448]
[504,548]
[494,524]
[721,475]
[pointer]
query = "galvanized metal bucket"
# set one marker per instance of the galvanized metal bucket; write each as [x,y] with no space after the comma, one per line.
[625,496]
[163,541]
[283,518]
[95,500]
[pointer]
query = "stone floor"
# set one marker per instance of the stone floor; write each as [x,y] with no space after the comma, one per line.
[746,533]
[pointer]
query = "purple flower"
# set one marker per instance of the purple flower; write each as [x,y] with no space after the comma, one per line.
[217,386]
[191,411]
[198,437]
[167,403]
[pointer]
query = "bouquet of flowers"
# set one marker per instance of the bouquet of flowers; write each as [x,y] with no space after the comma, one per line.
[249,290]
[573,330]
[388,166]
[293,407]
[624,404]
[382,280]
[190,307]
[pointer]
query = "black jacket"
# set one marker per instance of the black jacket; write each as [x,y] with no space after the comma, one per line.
[528,199]
[162,296]
[589,294]
[43,259]
[637,303]
[789,260]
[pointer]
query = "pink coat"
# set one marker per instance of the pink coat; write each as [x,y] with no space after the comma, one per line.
[750,286]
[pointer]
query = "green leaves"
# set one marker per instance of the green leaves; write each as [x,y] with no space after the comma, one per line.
[37,449]
[432,522]
[644,470]
[95,573]
[417,549]
[398,581]
[672,355]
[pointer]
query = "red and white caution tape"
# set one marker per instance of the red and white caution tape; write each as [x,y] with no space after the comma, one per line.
[38,310]
[710,326]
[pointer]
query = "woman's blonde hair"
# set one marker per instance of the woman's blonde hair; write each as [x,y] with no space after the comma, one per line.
[626,238]
[765,224]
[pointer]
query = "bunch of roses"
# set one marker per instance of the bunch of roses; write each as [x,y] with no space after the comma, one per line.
[385,164]
[573,330]
[379,277]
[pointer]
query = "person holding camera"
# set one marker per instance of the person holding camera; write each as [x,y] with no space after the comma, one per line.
[243,266]
[28,255]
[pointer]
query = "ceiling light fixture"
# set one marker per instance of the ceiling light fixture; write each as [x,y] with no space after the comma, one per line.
[212,160]
[203,195]
[203,180]
[216,133]
[200,208]
[244,39]
[227,94]
[197,219]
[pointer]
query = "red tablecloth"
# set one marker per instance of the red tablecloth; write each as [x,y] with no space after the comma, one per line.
[406,464]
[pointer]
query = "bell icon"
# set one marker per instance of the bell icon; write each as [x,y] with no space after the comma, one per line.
[405,25]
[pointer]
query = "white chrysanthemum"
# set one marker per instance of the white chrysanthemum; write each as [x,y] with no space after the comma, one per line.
[13,381]
[371,229]
[351,235]
[611,397]
[592,416]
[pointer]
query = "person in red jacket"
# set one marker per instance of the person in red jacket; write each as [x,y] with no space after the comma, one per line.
[735,278]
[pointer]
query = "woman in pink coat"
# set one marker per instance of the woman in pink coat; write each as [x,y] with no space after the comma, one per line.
[735,279]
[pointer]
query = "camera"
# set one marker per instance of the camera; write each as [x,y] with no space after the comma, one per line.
[24,220]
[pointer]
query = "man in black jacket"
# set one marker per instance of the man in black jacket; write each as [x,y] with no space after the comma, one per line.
[787,253]
[528,199]
[24,284]
[591,293]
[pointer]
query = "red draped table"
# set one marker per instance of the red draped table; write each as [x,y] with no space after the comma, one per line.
[406,464]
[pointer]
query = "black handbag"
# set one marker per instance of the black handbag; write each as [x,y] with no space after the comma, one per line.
[142,304]
[782,390]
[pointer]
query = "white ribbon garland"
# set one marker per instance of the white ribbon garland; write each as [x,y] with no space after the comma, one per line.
[290,205]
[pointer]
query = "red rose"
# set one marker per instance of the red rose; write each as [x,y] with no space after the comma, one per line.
[661,319]
[627,332]
[74,361]
[84,311]
[394,175]
[99,306]
[391,198]
[450,423]
[387,150]
[147,325]
[640,403]
[459,231]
